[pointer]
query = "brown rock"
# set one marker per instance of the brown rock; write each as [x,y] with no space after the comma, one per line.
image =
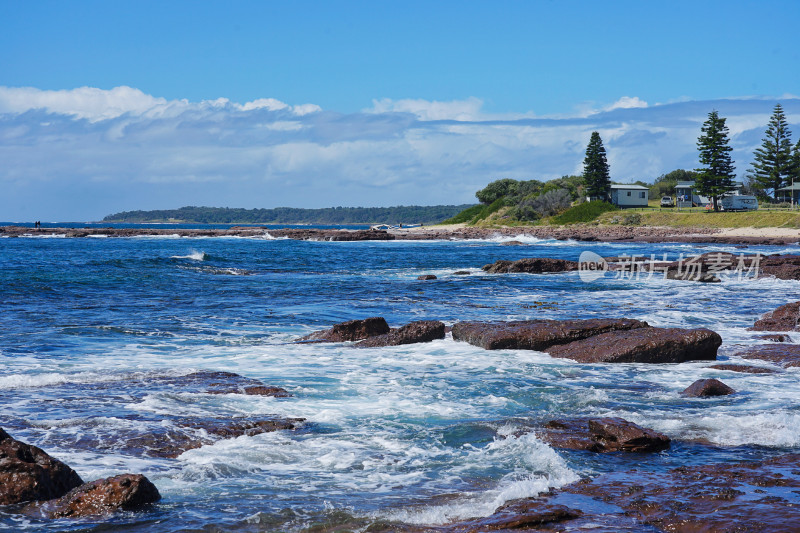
[709,498]
[27,473]
[785,355]
[532,265]
[527,514]
[603,435]
[643,345]
[743,368]
[196,433]
[352,330]
[413,332]
[780,266]
[127,492]
[536,334]
[462,273]
[263,390]
[784,318]
[707,387]
[426,277]
[775,337]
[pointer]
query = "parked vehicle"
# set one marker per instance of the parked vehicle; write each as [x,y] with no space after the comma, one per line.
[739,202]
[666,201]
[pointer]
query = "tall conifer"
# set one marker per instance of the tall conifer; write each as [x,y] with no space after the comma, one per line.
[716,174]
[595,169]
[773,164]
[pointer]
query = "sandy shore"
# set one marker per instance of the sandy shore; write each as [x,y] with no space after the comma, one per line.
[610,233]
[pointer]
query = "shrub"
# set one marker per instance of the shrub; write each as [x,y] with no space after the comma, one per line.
[585,212]
[465,216]
[496,190]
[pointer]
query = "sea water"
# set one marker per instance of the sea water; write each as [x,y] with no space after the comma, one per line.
[423,433]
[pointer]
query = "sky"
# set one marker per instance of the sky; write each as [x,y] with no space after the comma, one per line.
[112,106]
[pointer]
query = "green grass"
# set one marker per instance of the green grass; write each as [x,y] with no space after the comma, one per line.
[701,218]
[582,213]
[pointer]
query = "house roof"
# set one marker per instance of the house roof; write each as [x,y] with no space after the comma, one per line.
[793,187]
[629,186]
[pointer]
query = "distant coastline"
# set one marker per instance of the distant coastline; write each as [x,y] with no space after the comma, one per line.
[291,215]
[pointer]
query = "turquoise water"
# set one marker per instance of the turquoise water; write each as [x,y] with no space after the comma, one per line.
[98,332]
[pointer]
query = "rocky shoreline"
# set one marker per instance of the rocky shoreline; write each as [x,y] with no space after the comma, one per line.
[577,233]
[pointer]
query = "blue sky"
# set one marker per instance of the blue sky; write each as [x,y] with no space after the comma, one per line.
[106,106]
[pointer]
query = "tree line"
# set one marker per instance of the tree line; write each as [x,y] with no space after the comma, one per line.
[291,215]
[776,164]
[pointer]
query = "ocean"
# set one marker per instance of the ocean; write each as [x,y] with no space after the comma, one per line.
[99,335]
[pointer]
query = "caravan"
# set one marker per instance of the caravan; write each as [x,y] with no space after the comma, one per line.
[738,202]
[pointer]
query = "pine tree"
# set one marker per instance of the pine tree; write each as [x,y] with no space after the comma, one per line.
[716,175]
[595,169]
[772,165]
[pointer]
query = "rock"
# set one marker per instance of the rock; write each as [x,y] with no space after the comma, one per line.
[784,318]
[603,435]
[191,434]
[420,331]
[215,382]
[426,277]
[780,266]
[743,368]
[513,243]
[643,345]
[126,492]
[27,473]
[707,387]
[750,496]
[352,330]
[775,337]
[536,334]
[462,273]
[516,515]
[532,265]
[785,355]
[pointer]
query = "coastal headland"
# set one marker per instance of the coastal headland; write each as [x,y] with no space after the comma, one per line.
[589,233]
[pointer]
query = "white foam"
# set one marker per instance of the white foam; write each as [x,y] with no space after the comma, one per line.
[194,255]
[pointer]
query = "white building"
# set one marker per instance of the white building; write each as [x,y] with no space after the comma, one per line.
[629,195]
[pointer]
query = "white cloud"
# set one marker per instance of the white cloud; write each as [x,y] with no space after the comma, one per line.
[84,102]
[466,110]
[627,102]
[270,104]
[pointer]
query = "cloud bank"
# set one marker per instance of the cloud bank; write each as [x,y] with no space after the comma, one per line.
[83,153]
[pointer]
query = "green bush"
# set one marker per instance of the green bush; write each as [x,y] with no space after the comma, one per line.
[585,212]
[466,215]
[488,210]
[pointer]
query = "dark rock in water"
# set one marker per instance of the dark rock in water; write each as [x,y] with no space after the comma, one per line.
[780,266]
[784,318]
[707,387]
[603,435]
[531,265]
[775,337]
[263,390]
[462,273]
[643,345]
[352,330]
[413,332]
[196,433]
[426,277]
[527,514]
[513,243]
[216,382]
[126,492]
[27,473]
[743,368]
[751,496]
[785,355]
[536,334]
